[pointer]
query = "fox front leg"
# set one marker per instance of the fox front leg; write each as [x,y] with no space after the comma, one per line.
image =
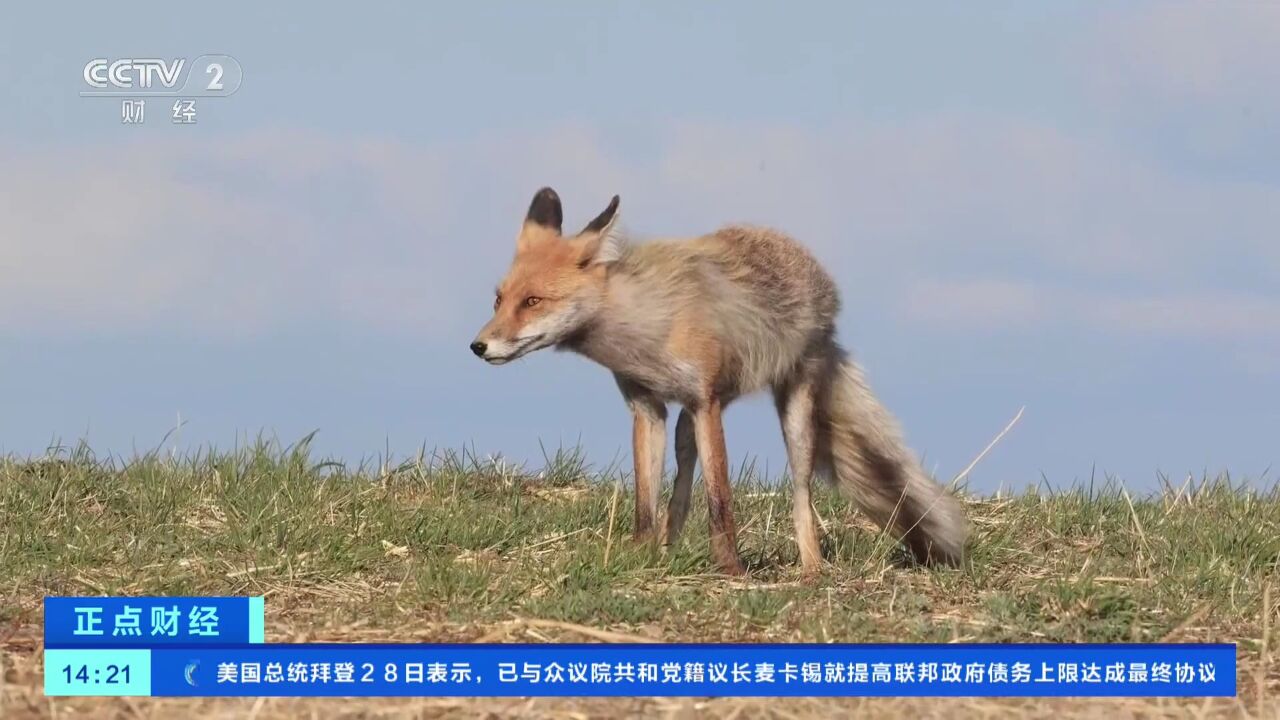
[686,462]
[649,451]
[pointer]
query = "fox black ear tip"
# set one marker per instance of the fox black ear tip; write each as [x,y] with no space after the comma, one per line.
[545,210]
[612,207]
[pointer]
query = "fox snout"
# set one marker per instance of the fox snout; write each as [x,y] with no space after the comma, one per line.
[489,350]
[493,349]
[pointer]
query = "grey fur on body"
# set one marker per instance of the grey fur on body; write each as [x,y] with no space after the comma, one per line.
[772,309]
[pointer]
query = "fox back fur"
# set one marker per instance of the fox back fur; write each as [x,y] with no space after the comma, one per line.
[700,322]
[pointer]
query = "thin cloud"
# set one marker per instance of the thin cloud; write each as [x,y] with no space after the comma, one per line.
[987,305]
[285,229]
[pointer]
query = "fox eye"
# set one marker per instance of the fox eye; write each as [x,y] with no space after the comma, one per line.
[497,300]
[531,301]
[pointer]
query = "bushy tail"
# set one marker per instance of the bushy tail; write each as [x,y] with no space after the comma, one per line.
[861,449]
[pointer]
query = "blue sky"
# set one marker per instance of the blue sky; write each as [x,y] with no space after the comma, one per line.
[1069,207]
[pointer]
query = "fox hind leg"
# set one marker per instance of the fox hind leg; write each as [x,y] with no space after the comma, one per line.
[708,428]
[796,409]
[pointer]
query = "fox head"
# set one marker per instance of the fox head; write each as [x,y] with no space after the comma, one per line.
[555,285]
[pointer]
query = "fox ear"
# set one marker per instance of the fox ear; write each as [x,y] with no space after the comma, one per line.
[602,238]
[545,210]
[603,220]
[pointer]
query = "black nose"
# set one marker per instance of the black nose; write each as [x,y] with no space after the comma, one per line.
[478,347]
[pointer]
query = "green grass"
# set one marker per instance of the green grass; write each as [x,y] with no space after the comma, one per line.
[468,540]
[454,547]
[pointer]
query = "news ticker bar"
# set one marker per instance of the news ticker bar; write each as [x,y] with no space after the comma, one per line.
[653,670]
[215,646]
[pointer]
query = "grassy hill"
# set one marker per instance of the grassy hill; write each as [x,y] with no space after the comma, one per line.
[455,548]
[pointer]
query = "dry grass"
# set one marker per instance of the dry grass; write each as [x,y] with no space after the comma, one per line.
[457,549]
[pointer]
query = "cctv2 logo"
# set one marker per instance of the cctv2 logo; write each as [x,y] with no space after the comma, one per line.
[207,76]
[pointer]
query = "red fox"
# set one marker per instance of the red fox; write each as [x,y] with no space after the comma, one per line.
[700,322]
